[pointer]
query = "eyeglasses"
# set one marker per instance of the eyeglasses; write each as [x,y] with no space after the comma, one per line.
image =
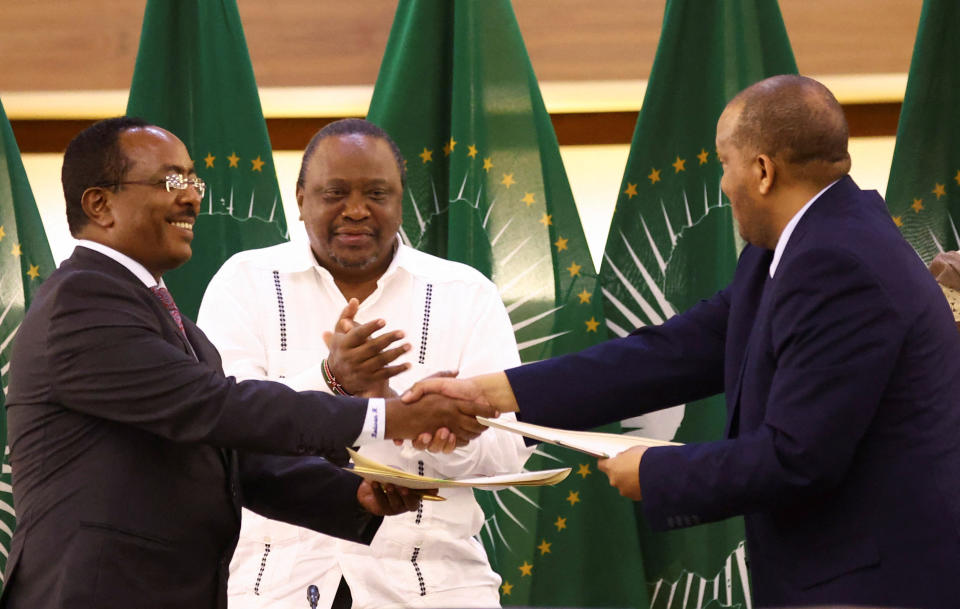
[174,181]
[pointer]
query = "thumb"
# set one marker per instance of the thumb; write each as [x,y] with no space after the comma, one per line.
[327,338]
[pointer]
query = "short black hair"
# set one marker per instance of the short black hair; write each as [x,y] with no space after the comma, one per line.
[798,119]
[351,126]
[94,158]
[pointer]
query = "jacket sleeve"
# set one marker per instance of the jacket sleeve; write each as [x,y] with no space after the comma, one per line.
[835,336]
[652,368]
[109,359]
[308,492]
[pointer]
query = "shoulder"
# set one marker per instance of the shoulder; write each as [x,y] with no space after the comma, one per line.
[436,270]
[282,257]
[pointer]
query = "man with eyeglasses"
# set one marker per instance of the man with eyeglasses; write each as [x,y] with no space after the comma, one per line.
[123,430]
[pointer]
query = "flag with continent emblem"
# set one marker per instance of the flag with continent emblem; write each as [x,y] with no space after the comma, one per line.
[193,77]
[486,186]
[923,193]
[25,261]
[673,242]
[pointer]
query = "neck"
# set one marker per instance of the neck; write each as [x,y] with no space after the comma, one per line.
[356,289]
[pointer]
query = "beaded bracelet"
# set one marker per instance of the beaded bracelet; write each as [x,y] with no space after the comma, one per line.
[331,380]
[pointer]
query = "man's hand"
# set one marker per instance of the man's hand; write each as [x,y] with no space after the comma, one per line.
[435,415]
[624,471]
[359,362]
[388,500]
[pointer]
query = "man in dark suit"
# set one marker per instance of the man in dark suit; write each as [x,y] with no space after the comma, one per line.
[123,428]
[841,368]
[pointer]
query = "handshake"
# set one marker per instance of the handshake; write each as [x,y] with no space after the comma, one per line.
[440,413]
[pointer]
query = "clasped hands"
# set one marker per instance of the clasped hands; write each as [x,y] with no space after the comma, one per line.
[363,365]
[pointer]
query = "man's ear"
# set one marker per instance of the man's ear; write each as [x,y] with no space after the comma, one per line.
[766,173]
[97,205]
[300,201]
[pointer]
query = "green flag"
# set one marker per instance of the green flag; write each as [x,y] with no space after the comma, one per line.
[486,186]
[923,193]
[672,242]
[193,77]
[25,261]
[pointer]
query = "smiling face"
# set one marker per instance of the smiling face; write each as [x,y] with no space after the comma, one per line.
[350,204]
[143,220]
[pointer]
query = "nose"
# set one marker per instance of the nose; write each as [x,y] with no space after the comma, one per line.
[355,206]
[191,196]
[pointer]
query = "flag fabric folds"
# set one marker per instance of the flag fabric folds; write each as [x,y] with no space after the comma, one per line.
[923,192]
[25,261]
[486,186]
[193,77]
[672,242]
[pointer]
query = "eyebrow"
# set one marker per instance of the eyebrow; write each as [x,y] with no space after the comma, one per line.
[180,170]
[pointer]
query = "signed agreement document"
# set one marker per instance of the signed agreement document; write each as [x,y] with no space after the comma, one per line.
[595,444]
[372,470]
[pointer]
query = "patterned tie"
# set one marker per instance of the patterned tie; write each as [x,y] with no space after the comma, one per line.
[164,295]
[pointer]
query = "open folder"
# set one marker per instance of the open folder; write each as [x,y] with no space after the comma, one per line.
[595,444]
[372,470]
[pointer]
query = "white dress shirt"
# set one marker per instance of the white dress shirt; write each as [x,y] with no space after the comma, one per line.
[266,311]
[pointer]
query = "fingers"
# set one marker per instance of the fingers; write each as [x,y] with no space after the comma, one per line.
[444,374]
[421,388]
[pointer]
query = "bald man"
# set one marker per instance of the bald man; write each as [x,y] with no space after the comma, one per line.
[841,368]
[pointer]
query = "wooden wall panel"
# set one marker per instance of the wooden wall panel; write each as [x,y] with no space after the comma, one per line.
[92,44]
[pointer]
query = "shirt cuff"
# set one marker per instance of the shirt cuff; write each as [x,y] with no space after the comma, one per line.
[374,423]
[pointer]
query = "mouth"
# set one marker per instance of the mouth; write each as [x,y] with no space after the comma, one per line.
[186,225]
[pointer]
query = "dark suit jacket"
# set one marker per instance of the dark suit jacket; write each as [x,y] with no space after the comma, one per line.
[126,481]
[842,380]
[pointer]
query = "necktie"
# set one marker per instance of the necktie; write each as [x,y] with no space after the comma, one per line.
[164,295]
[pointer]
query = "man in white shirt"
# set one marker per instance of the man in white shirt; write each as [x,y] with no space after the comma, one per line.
[308,315]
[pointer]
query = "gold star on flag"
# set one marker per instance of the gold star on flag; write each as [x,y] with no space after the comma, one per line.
[546,220]
[573,497]
[939,190]
[592,324]
[209,159]
[917,205]
[679,165]
[471,151]
[703,156]
[426,155]
[525,569]
[234,159]
[574,269]
[654,176]
[527,198]
[631,190]
[956,178]
[508,180]
[560,523]
[15,250]
[449,146]
[898,221]
[583,470]
[561,244]
[3,233]
[507,588]
[544,547]
[584,296]
[34,271]
[257,164]
[488,163]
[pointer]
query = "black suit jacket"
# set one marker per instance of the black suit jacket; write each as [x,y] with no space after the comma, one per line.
[842,381]
[124,437]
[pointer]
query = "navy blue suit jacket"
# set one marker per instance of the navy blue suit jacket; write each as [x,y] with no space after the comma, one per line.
[126,477]
[842,381]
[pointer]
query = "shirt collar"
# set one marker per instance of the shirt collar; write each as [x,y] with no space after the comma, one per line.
[129,263]
[788,229]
